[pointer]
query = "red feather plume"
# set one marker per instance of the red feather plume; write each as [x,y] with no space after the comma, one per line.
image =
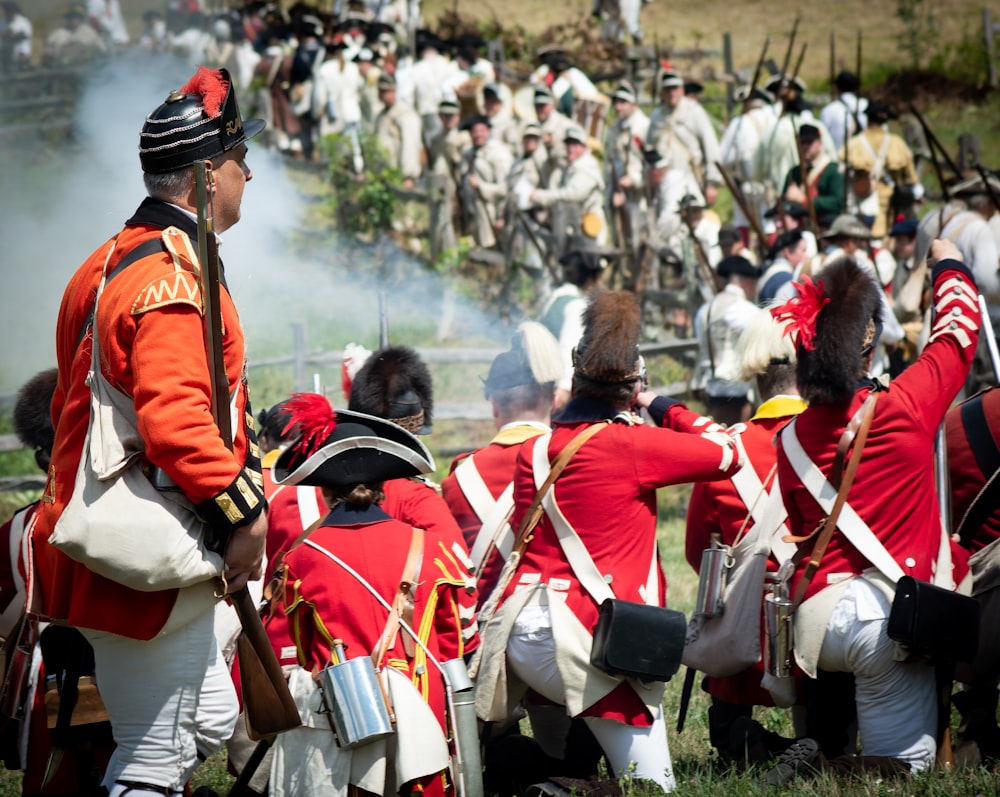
[311,415]
[211,87]
[802,311]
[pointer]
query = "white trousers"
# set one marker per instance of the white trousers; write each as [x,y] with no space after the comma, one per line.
[897,711]
[632,751]
[170,700]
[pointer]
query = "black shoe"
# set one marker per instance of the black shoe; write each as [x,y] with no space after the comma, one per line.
[800,757]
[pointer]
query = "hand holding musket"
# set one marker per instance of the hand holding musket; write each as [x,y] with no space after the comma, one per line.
[268,704]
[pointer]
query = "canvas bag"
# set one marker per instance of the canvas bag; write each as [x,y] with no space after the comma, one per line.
[730,643]
[116,522]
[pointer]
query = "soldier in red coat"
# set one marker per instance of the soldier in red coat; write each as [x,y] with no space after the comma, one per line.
[973,428]
[479,487]
[890,525]
[541,635]
[152,348]
[361,585]
[395,384]
[724,511]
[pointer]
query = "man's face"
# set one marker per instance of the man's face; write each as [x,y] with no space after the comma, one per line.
[231,176]
[480,134]
[387,96]
[904,246]
[672,95]
[543,110]
[449,120]
[530,144]
[491,104]
[797,253]
[623,108]
[574,149]
[811,149]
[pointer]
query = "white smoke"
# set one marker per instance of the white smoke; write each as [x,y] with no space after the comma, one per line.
[56,207]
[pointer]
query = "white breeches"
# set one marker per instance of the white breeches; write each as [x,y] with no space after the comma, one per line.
[170,700]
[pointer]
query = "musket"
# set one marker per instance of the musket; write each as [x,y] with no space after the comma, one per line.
[805,180]
[788,58]
[798,63]
[542,252]
[708,274]
[756,74]
[857,70]
[741,200]
[935,144]
[268,704]
[833,59]
[625,215]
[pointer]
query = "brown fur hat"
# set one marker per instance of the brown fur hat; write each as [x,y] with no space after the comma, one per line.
[829,373]
[609,349]
[32,412]
[395,384]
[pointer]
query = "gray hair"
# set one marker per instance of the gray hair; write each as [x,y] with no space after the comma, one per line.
[169,186]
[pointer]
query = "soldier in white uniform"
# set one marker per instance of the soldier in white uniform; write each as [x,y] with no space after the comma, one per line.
[530,171]
[553,125]
[740,142]
[485,167]
[779,151]
[681,130]
[580,190]
[624,161]
[398,130]
[847,112]
[444,154]
[498,103]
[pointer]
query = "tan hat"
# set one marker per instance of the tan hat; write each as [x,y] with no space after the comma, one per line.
[531,129]
[671,79]
[848,226]
[575,133]
[386,82]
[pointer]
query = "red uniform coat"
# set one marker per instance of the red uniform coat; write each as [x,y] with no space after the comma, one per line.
[417,503]
[495,463]
[894,490]
[608,494]
[716,508]
[153,349]
[966,465]
[324,602]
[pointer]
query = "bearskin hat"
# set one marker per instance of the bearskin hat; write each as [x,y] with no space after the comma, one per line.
[395,384]
[845,326]
[33,415]
[608,351]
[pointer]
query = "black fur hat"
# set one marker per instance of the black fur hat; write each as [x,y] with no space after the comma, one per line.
[845,327]
[395,384]
[33,415]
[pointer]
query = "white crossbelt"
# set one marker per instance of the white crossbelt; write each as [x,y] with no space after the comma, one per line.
[858,533]
[494,515]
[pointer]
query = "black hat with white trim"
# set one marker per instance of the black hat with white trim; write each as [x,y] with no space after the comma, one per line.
[338,448]
[197,122]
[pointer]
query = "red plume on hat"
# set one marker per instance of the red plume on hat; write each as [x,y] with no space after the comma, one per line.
[802,311]
[210,85]
[845,325]
[312,418]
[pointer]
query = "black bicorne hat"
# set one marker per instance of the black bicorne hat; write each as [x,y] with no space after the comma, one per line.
[197,122]
[341,448]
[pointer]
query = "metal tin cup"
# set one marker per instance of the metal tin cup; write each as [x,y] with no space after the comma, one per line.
[458,675]
[712,582]
[354,698]
[778,625]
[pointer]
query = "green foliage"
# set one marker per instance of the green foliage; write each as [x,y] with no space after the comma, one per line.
[919,32]
[965,60]
[362,203]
